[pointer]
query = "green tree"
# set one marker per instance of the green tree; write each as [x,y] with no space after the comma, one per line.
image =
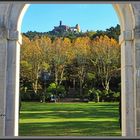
[105,59]
[112,32]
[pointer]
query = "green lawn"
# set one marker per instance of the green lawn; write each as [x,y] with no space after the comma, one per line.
[69,119]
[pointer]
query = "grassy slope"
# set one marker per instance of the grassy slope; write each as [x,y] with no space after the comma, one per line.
[69,119]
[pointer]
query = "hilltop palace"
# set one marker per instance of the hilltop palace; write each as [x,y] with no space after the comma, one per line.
[62,28]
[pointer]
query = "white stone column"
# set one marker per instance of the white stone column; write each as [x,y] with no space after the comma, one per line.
[3,67]
[137,57]
[127,84]
[12,90]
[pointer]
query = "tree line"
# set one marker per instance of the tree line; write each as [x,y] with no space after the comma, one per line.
[112,32]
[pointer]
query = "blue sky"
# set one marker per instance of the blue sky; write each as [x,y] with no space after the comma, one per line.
[43,17]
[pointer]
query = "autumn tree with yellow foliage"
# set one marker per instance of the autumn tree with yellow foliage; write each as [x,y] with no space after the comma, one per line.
[68,60]
[105,58]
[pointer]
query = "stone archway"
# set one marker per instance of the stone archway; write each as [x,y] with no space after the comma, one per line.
[10,40]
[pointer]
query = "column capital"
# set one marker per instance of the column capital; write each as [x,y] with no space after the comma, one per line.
[3,32]
[127,35]
[8,34]
[14,36]
[137,32]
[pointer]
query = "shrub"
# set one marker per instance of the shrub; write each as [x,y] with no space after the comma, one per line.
[57,90]
[30,96]
[94,94]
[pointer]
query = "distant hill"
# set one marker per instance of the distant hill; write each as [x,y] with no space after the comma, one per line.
[112,32]
[52,34]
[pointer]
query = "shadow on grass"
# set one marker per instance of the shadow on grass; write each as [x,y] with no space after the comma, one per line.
[70,114]
[85,115]
[36,106]
[73,128]
[38,110]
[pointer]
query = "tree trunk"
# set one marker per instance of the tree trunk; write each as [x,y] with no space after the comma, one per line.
[74,83]
[44,99]
[61,77]
[81,89]
[98,99]
[106,85]
[56,75]
[35,86]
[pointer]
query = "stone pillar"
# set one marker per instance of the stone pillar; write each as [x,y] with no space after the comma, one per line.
[3,67]
[137,57]
[12,89]
[127,84]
